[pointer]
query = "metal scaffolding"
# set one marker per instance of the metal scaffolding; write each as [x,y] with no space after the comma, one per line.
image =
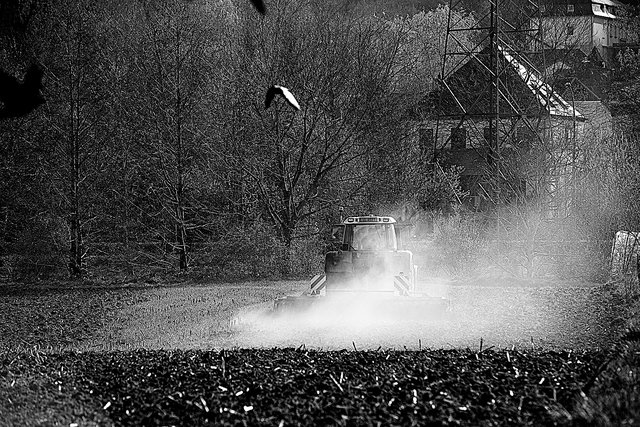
[486,106]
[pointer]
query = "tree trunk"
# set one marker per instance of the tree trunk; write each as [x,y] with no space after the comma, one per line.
[75,249]
[287,237]
[180,224]
[181,243]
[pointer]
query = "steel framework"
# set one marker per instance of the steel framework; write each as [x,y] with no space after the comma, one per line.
[505,33]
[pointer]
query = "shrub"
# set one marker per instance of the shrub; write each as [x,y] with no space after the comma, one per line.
[38,251]
[307,257]
[458,245]
[240,253]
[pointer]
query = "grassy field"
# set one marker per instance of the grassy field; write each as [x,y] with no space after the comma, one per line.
[61,317]
[183,317]
[165,355]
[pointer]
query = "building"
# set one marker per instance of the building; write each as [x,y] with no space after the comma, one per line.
[586,25]
[521,144]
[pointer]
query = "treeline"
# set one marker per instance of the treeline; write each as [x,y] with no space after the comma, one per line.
[154,148]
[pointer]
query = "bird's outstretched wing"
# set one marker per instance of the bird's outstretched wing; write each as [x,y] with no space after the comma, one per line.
[33,78]
[271,93]
[19,99]
[259,5]
[284,92]
[290,98]
[9,86]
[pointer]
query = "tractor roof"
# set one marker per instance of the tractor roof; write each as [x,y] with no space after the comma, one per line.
[370,219]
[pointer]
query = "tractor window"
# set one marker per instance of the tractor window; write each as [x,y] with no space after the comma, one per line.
[336,239]
[374,237]
[337,233]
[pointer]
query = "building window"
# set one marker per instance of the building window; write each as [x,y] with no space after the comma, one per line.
[473,185]
[426,140]
[458,138]
[570,30]
[524,138]
[489,135]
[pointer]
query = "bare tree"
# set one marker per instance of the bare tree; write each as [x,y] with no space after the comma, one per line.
[173,110]
[340,70]
[423,38]
[75,127]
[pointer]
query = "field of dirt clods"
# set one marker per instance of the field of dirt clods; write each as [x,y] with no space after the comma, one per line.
[158,356]
[549,317]
[299,387]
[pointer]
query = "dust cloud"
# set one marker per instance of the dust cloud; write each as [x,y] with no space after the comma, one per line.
[536,311]
[551,317]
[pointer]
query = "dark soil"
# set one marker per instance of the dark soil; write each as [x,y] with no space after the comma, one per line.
[582,376]
[52,318]
[295,387]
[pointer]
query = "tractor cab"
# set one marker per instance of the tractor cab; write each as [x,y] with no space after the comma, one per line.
[370,234]
[366,233]
[367,257]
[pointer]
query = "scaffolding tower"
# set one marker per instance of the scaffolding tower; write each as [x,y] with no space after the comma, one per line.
[504,35]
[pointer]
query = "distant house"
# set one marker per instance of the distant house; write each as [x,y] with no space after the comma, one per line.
[587,74]
[582,43]
[522,143]
[585,25]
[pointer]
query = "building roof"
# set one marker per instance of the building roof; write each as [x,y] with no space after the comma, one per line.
[547,97]
[589,79]
[602,8]
[468,91]
[574,90]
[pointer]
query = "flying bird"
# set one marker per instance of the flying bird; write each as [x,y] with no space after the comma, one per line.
[20,99]
[259,5]
[284,92]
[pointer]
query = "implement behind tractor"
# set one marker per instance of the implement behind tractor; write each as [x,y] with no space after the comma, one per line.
[367,269]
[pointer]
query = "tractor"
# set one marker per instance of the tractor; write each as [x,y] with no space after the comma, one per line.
[367,265]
